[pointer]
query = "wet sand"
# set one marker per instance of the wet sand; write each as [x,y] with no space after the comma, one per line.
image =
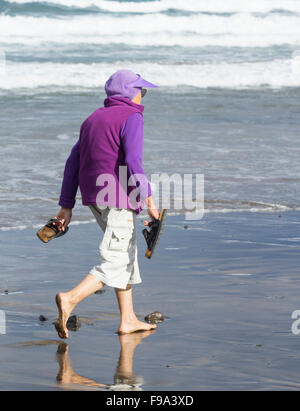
[227,285]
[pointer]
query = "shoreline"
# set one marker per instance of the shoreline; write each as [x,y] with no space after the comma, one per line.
[269,208]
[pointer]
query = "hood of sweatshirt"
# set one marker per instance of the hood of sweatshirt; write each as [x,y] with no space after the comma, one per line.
[121,101]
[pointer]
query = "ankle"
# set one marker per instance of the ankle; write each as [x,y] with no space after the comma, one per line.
[131,318]
[68,298]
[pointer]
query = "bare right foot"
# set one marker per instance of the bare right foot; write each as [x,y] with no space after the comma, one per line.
[133,326]
[64,310]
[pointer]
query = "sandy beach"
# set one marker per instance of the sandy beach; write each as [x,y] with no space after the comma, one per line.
[227,285]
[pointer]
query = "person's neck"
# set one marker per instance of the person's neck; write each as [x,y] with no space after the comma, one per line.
[137,99]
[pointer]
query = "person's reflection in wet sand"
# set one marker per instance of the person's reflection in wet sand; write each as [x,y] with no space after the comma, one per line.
[66,374]
[124,379]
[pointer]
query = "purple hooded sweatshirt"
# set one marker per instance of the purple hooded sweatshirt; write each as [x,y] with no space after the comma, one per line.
[110,137]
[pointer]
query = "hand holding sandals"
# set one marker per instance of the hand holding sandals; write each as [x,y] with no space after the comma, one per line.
[57,226]
[65,216]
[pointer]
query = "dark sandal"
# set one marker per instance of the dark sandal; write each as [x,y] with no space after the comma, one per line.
[156,229]
[51,230]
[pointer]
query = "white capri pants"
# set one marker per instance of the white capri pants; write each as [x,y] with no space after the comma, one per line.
[118,248]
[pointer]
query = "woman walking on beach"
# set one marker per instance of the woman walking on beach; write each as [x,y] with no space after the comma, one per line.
[110,139]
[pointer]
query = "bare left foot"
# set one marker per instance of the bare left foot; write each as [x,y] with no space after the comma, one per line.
[64,311]
[135,325]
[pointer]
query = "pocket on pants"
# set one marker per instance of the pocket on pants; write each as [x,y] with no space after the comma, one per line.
[120,239]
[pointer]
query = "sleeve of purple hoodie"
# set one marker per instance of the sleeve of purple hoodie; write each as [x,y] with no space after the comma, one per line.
[71,179]
[132,136]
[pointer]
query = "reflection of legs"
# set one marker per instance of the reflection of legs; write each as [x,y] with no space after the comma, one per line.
[123,374]
[129,321]
[66,302]
[66,375]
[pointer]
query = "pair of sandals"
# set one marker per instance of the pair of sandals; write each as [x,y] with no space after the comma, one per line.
[53,229]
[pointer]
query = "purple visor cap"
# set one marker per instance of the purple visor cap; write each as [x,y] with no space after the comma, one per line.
[125,83]
[140,83]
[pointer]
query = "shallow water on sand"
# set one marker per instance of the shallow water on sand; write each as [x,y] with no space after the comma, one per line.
[227,285]
[244,142]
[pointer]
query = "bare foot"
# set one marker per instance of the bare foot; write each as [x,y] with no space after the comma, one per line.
[135,325]
[64,310]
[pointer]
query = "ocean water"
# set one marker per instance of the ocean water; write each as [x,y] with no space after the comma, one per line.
[227,106]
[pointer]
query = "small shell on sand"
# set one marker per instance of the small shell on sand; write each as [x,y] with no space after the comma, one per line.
[155,317]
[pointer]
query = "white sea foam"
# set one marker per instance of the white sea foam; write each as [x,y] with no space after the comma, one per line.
[63,137]
[239,30]
[293,239]
[170,214]
[276,74]
[35,226]
[220,6]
